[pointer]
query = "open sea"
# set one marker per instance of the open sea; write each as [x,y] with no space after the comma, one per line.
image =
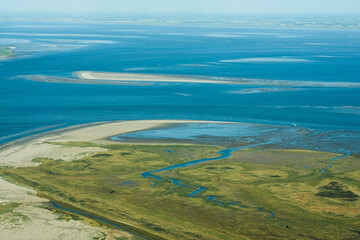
[59,49]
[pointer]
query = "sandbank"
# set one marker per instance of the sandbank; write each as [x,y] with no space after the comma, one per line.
[138,77]
[114,78]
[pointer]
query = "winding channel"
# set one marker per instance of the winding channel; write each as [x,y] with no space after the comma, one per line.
[224,154]
[346,154]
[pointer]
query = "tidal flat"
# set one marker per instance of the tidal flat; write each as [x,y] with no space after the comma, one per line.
[264,189]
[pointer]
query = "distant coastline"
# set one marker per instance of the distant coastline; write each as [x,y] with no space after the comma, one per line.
[328,22]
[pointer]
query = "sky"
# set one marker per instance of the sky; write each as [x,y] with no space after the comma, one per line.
[187,6]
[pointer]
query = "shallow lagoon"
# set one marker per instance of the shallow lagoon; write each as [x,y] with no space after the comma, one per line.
[230,135]
[196,130]
[27,106]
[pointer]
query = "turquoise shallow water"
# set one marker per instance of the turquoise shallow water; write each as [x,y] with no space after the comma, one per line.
[276,54]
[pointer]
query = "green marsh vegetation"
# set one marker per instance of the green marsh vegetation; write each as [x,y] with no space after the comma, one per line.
[287,182]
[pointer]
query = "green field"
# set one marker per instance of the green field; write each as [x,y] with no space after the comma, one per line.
[5,52]
[308,204]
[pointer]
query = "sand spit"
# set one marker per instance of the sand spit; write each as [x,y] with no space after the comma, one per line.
[137,77]
[113,78]
[21,153]
[28,219]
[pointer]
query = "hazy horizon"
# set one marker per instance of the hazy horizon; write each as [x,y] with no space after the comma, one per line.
[304,7]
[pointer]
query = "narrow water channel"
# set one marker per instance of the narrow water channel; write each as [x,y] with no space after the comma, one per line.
[224,154]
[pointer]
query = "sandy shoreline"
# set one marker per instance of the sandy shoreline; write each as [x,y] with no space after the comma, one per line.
[20,153]
[29,220]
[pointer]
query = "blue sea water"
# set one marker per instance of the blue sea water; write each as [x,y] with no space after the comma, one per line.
[60,49]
